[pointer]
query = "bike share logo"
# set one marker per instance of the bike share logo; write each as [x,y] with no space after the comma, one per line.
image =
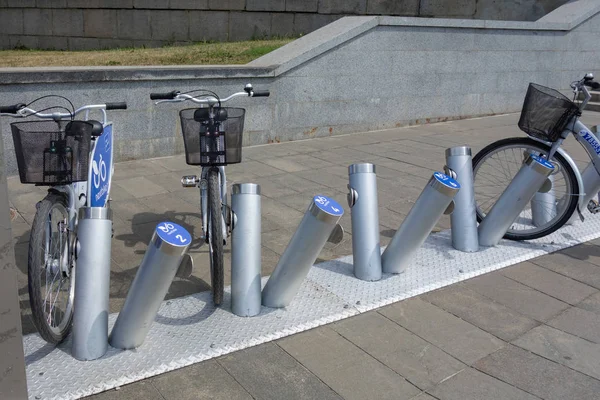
[328,205]
[101,164]
[168,229]
[445,179]
[591,139]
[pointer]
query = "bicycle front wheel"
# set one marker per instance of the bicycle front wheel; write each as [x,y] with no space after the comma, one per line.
[51,278]
[215,236]
[494,168]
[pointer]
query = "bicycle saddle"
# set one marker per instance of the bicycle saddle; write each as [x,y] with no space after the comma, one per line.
[97,128]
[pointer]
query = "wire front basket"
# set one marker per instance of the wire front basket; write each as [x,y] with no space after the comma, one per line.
[546,113]
[51,152]
[206,149]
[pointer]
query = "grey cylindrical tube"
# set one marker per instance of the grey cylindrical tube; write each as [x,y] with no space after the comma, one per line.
[591,187]
[421,219]
[167,247]
[362,199]
[464,218]
[543,205]
[512,201]
[92,283]
[245,250]
[302,251]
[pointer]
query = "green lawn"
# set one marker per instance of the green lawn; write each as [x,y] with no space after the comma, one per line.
[194,54]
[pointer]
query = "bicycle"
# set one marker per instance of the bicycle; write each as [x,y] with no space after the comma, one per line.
[547,117]
[57,152]
[212,137]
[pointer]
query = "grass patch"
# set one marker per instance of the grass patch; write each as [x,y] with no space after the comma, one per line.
[194,54]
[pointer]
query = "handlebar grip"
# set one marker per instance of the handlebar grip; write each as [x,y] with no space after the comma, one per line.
[11,109]
[592,84]
[116,106]
[164,96]
[261,93]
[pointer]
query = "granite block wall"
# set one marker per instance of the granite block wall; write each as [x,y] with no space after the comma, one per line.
[95,24]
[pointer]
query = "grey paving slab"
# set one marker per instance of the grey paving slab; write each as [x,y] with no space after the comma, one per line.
[420,362]
[581,271]
[537,375]
[297,163]
[138,168]
[578,322]
[344,367]
[592,303]
[206,380]
[138,390]
[471,384]
[586,252]
[548,282]
[459,338]
[423,396]
[176,163]
[516,296]
[140,187]
[480,311]
[563,348]
[268,372]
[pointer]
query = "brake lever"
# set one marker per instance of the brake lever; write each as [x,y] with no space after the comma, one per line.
[176,100]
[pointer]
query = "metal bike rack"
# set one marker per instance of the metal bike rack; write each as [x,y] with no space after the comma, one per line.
[590,189]
[362,199]
[530,178]
[543,205]
[302,251]
[245,249]
[167,247]
[92,283]
[464,218]
[435,200]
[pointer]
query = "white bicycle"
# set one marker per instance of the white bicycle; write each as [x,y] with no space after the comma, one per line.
[212,136]
[57,152]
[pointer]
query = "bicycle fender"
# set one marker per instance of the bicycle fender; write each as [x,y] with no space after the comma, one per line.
[577,176]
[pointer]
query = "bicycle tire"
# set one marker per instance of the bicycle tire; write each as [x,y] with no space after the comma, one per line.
[215,239]
[573,195]
[51,333]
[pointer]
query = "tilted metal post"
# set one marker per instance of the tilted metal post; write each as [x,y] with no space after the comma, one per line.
[92,283]
[435,199]
[167,247]
[362,199]
[245,249]
[543,205]
[464,218]
[530,178]
[302,251]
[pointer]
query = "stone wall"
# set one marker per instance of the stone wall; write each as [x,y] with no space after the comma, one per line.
[96,24]
[354,75]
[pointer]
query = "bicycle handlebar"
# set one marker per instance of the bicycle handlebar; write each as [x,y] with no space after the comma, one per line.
[116,106]
[12,109]
[20,110]
[176,96]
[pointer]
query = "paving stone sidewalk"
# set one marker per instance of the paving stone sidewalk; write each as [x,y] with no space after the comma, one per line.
[525,332]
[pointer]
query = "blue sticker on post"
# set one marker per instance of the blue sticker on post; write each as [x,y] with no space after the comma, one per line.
[542,161]
[446,180]
[328,205]
[173,234]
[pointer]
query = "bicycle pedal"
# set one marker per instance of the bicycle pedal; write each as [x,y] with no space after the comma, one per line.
[593,207]
[189,181]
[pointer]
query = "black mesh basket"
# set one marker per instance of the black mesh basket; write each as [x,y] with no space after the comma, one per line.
[206,150]
[546,113]
[52,153]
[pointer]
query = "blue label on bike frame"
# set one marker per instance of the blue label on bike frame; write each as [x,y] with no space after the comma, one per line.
[542,161]
[101,169]
[173,234]
[328,205]
[446,180]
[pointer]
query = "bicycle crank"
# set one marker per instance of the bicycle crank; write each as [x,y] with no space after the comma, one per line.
[593,206]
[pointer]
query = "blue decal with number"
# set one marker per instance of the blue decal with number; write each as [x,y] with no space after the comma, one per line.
[542,161]
[101,168]
[173,234]
[328,205]
[446,180]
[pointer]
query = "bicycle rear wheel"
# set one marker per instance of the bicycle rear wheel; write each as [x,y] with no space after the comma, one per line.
[494,168]
[51,278]
[215,236]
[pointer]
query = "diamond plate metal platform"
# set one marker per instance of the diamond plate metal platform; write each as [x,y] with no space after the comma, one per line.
[189,329]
